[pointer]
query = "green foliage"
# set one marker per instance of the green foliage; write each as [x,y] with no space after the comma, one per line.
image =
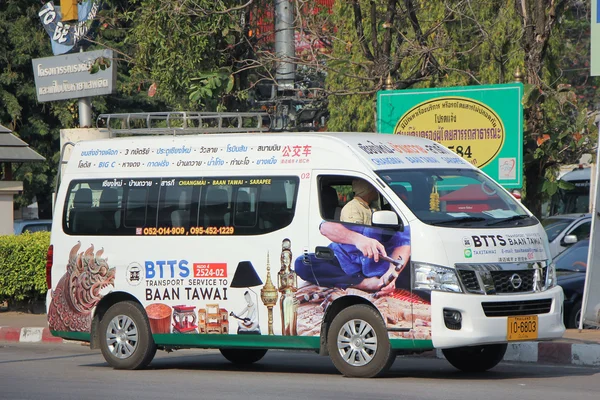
[23,39]
[23,266]
[209,85]
[175,42]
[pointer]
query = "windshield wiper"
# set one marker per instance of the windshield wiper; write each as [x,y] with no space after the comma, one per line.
[513,218]
[458,220]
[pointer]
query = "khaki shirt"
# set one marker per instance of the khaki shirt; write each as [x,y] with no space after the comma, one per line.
[356,211]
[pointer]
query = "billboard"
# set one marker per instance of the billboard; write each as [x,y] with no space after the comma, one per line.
[482,124]
[68,76]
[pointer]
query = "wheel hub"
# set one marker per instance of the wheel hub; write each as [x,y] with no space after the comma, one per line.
[357,342]
[122,336]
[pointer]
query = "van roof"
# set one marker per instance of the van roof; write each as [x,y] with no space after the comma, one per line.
[234,150]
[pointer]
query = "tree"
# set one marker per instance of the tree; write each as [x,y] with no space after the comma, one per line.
[37,124]
[471,43]
[555,124]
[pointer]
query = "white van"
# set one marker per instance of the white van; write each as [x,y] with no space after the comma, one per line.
[235,242]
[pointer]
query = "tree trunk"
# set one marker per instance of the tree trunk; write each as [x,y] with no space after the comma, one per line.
[44,205]
[533,188]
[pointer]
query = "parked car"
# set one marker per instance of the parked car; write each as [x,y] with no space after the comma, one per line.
[32,225]
[570,269]
[565,230]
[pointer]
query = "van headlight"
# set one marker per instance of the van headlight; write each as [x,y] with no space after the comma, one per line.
[550,276]
[434,277]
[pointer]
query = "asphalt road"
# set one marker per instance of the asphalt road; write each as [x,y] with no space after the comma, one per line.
[72,371]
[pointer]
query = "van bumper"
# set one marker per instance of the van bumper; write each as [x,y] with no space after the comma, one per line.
[479,329]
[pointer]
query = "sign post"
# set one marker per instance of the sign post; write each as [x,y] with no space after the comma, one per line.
[482,124]
[590,304]
[590,307]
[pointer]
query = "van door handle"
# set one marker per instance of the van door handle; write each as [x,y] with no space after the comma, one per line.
[324,253]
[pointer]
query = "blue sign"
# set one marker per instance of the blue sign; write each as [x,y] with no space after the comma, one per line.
[65,36]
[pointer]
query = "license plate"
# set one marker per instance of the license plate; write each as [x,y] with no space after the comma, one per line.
[522,327]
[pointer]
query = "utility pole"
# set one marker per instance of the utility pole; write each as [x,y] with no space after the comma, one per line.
[285,51]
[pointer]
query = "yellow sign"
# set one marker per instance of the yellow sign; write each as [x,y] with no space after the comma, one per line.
[469,128]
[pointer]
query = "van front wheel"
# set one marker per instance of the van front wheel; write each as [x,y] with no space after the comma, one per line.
[243,356]
[475,358]
[125,338]
[358,343]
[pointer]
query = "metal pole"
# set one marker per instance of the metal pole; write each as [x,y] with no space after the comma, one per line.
[85,112]
[285,48]
[85,109]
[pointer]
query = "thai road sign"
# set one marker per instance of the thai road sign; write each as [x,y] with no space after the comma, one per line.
[483,124]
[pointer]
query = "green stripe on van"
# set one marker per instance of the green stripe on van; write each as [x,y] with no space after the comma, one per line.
[417,344]
[83,336]
[248,341]
[267,341]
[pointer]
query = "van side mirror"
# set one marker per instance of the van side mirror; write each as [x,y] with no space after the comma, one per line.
[569,239]
[387,219]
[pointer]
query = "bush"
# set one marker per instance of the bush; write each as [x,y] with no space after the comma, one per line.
[23,266]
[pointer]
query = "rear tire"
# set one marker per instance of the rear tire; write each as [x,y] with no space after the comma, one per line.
[358,343]
[475,358]
[243,356]
[125,338]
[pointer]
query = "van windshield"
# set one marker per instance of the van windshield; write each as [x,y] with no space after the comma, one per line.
[456,197]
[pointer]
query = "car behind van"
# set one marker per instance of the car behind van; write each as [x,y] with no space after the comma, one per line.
[32,225]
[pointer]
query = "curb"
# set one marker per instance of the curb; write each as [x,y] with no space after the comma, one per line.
[28,335]
[562,353]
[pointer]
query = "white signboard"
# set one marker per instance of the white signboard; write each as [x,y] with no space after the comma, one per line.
[68,76]
[591,292]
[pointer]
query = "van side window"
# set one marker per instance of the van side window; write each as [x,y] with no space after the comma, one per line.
[140,198]
[180,206]
[178,203]
[110,207]
[335,191]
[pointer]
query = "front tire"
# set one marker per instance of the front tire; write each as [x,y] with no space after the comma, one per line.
[125,338]
[243,356]
[358,343]
[475,358]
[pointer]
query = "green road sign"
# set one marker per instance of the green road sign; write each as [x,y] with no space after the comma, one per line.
[595,39]
[483,124]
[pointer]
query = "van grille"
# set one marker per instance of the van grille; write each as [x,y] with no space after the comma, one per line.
[469,280]
[514,308]
[502,278]
[502,281]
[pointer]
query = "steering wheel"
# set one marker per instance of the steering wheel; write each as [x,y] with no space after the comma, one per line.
[489,191]
[579,264]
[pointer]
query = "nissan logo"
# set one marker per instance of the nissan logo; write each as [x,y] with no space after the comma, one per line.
[516,281]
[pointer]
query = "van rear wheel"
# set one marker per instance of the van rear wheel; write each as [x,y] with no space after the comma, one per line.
[358,343]
[125,338]
[243,356]
[475,358]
